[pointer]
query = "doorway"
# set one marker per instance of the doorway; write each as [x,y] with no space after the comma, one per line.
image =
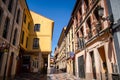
[103,62]
[81,67]
[26,63]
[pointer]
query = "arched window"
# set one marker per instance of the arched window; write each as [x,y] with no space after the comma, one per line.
[15,37]
[1,14]
[4,1]
[18,16]
[10,5]
[6,26]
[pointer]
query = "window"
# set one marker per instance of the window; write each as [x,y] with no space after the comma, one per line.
[35,43]
[26,60]
[81,30]
[1,14]
[87,3]
[73,46]
[35,63]
[22,38]
[27,42]
[69,36]
[24,18]
[90,28]
[81,43]
[96,14]
[4,1]
[98,22]
[72,33]
[15,35]
[6,26]
[29,26]
[80,11]
[37,27]
[18,16]
[10,5]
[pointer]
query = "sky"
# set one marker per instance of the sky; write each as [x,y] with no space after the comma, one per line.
[57,10]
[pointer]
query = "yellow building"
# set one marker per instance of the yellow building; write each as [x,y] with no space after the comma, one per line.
[23,64]
[42,33]
[35,43]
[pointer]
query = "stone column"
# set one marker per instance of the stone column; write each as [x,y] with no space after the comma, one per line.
[4,58]
[97,64]
[76,66]
[14,66]
[88,67]
[48,63]
[39,61]
[106,48]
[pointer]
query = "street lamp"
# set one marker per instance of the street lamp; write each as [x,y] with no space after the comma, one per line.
[101,13]
[4,47]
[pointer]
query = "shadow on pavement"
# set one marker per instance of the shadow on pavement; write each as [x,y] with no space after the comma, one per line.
[31,76]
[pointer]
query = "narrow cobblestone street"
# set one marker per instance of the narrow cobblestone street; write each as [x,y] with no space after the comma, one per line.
[59,75]
[54,75]
[62,76]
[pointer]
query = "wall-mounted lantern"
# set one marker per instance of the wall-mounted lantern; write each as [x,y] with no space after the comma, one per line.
[100,11]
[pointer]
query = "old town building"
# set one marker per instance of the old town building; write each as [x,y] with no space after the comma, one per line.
[70,47]
[56,59]
[114,7]
[52,61]
[62,51]
[11,14]
[35,44]
[41,36]
[25,39]
[23,64]
[92,40]
[94,50]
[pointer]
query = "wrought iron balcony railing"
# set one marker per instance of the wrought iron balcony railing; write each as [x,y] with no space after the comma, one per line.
[81,43]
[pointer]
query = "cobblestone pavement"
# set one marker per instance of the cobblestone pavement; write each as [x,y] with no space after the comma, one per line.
[53,75]
[62,76]
[59,75]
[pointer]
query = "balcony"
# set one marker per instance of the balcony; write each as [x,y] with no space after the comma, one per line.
[81,43]
[70,55]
